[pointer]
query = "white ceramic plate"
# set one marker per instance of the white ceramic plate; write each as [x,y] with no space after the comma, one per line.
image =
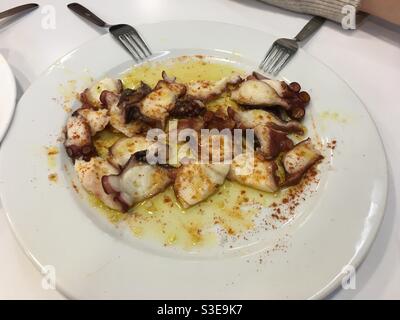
[7,96]
[334,229]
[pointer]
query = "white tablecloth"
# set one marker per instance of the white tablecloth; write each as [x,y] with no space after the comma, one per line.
[368,59]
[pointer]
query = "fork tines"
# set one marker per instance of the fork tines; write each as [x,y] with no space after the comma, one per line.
[132,41]
[275,59]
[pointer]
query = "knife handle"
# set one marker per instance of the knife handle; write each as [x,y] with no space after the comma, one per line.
[87,14]
[19,9]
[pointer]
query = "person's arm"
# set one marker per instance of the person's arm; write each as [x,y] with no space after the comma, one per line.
[332,9]
[386,9]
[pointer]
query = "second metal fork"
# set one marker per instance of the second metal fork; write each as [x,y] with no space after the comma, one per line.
[125,34]
[282,50]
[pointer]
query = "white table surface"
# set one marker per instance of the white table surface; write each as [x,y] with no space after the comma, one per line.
[368,59]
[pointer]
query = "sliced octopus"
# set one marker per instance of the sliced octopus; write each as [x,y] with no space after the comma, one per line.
[254,171]
[91,96]
[195,182]
[219,120]
[205,90]
[188,108]
[117,115]
[90,174]
[269,130]
[250,119]
[136,182]
[78,143]
[272,142]
[271,93]
[157,104]
[121,151]
[97,119]
[297,161]
[127,176]
[129,103]
[215,148]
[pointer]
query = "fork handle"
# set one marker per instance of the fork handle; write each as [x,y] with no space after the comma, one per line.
[87,14]
[313,25]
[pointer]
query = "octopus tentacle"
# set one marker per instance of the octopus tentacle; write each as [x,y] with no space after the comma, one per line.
[117,115]
[129,103]
[91,96]
[272,142]
[260,91]
[167,78]
[219,120]
[79,143]
[298,161]
[90,173]
[133,96]
[158,103]
[206,90]
[249,119]
[121,151]
[270,132]
[97,119]
[187,107]
[136,182]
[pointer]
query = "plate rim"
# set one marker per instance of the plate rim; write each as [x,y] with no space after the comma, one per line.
[360,257]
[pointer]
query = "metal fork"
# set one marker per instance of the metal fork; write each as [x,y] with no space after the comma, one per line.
[125,34]
[282,50]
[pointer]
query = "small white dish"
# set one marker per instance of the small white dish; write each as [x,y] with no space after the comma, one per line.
[8,94]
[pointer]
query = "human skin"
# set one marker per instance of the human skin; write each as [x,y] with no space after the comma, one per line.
[386,9]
